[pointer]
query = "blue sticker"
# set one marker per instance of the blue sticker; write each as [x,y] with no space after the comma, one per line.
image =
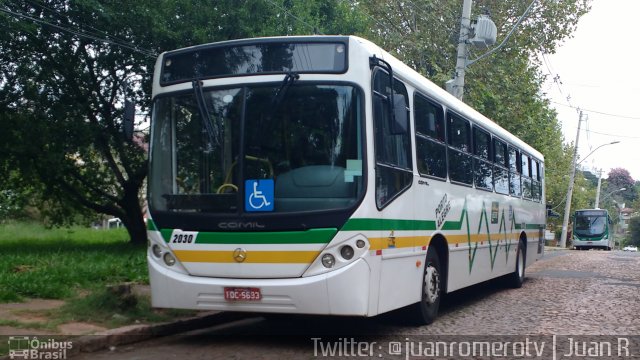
[258,195]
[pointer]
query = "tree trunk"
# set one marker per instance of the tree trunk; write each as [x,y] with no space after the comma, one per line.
[133,219]
[137,229]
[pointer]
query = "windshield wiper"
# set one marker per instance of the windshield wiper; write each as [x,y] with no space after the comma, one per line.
[288,80]
[211,132]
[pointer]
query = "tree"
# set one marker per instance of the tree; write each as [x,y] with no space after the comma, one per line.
[61,99]
[506,87]
[621,178]
[67,67]
[634,231]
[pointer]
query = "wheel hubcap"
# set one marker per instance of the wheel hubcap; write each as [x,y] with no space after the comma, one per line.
[431,284]
[520,264]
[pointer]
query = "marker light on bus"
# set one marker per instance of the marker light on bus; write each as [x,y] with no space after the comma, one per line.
[156,250]
[169,259]
[347,252]
[328,261]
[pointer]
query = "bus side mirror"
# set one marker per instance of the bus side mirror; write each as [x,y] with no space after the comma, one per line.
[551,213]
[128,119]
[400,119]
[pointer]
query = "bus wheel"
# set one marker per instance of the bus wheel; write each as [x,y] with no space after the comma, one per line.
[516,278]
[426,311]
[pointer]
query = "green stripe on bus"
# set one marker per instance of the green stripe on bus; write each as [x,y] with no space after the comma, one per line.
[151,226]
[365,224]
[166,234]
[456,225]
[313,236]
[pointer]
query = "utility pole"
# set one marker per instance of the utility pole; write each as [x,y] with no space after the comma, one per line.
[567,206]
[484,34]
[457,88]
[598,190]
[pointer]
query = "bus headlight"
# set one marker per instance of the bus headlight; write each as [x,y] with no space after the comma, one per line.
[156,250]
[346,252]
[328,260]
[169,259]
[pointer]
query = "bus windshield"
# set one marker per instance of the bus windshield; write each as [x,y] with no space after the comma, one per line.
[264,148]
[590,225]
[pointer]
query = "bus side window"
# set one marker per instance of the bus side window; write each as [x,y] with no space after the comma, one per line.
[460,159]
[537,184]
[527,190]
[392,148]
[430,142]
[482,167]
[515,188]
[500,170]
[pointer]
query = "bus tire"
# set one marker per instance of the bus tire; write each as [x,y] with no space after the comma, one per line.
[425,311]
[516,278]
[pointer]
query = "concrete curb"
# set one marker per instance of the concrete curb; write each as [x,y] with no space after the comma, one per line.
[137,333]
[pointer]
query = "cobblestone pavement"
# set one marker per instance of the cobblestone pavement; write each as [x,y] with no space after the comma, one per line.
[566,293]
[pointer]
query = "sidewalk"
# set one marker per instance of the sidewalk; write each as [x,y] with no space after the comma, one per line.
[33,318]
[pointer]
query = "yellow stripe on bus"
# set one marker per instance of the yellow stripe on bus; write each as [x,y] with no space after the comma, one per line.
[413,241]
[261,257]
[398,242]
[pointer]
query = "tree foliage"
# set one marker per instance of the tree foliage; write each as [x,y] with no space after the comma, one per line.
[621,178]
[506,86]
[633,238]
[67,66]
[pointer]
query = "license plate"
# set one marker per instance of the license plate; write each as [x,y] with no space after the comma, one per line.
[242,294]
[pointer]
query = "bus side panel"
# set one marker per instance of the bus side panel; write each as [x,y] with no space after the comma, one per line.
[402,257]
[477,254]
[401,280]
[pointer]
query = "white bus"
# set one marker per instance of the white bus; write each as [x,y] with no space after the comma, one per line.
[321,175]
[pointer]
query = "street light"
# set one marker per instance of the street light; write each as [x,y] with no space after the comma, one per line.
[567,205]
[594,150]
[606,196]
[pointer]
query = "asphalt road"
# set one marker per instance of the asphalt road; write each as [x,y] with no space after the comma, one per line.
[568,298]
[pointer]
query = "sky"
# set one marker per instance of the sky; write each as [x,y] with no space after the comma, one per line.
[598,71]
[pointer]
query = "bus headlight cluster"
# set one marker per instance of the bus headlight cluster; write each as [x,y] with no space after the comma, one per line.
[340,254]
[163,254]
[160,253]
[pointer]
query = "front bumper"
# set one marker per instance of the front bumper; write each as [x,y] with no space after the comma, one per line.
[345,291]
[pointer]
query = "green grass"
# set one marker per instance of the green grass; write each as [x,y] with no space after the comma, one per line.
[114,310]
[37,262]
[75,265]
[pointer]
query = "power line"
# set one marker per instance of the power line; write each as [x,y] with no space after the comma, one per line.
[598,112]
[614,135]
[556,79]
[293,16]
[97,32]
[81,34]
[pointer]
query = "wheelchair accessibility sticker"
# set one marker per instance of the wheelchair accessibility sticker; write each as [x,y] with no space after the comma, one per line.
[258,195]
